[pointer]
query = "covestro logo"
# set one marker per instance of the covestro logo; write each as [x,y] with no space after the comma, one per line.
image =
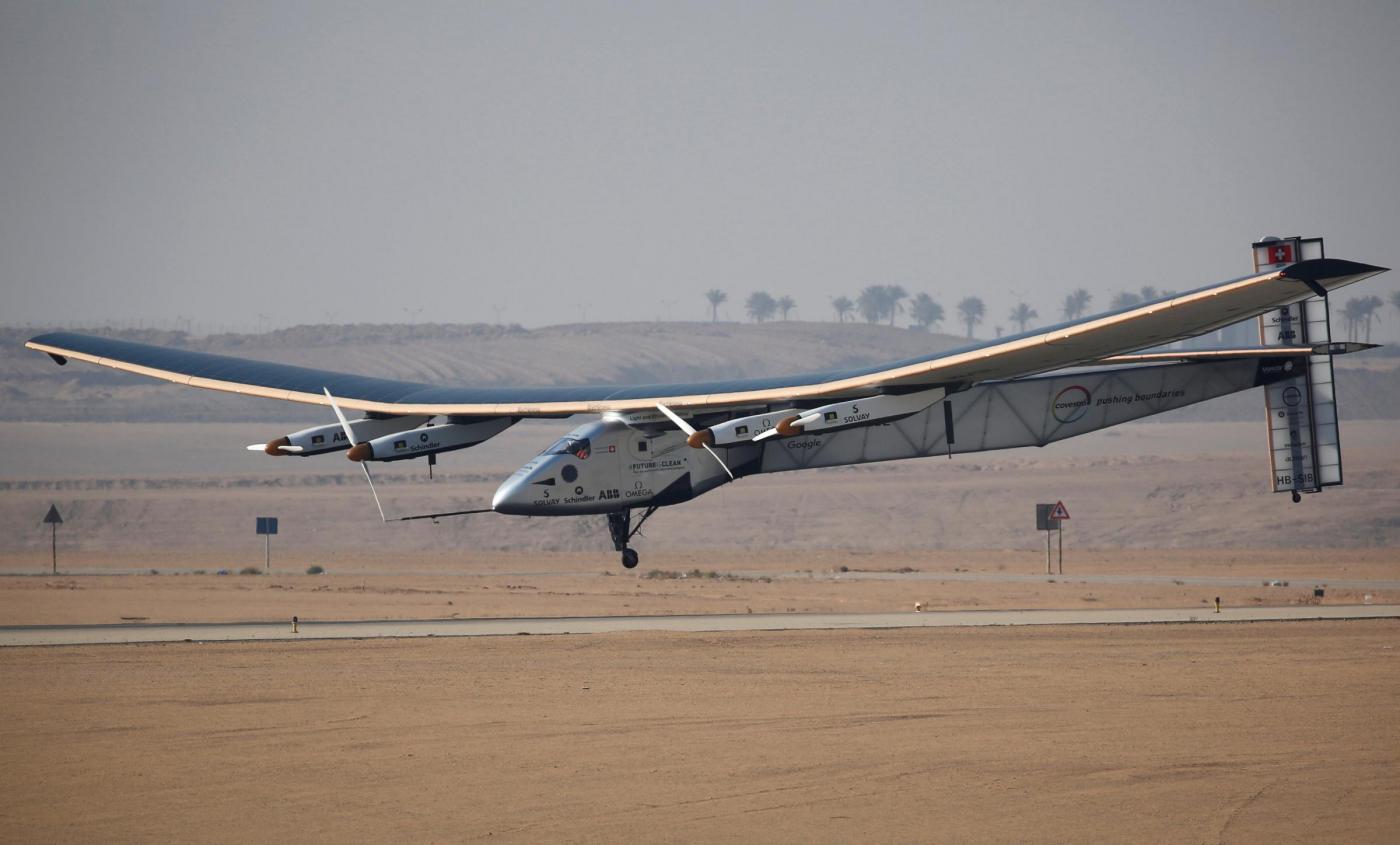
[1070,404]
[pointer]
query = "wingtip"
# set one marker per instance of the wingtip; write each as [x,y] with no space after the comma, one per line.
[1317,269]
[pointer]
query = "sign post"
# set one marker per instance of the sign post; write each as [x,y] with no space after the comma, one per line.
[1048,518]
[1043,522]
[267,526]
[1059,513]
[53,520]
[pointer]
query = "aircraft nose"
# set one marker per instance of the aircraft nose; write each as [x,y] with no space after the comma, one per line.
[510,496]
[519,493]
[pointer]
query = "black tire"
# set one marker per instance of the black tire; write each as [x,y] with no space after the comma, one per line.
[630,559]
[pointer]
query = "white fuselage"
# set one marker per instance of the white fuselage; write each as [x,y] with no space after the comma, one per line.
[606,466]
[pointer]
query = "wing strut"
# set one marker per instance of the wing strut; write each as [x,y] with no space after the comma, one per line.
[434,516]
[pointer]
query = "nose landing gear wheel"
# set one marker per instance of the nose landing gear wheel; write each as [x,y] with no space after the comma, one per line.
[621,529]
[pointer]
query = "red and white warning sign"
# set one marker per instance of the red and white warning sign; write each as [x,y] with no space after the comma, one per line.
[1059,511]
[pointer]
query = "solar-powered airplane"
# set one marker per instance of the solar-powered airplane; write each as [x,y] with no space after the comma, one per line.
[649,446]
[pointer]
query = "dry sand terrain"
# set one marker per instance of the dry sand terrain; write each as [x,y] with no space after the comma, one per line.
[1267,732]
[504,585]
[1163,501]
[191,490]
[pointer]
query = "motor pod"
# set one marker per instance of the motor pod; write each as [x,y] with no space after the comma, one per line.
[856,412]
[429,440]
[740,430]
[847,413]
[331,438]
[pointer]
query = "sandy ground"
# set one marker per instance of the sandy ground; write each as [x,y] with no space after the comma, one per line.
[431,586]
[1147,487]
[1267,732]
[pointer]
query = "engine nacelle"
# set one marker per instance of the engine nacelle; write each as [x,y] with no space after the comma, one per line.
[847,413]
[331,438]
[429,440]
[855,412]
[739,430]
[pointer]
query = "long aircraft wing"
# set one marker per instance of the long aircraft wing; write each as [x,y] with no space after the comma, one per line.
[1085,341]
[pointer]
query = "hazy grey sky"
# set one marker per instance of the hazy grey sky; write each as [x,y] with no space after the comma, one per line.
[555,160]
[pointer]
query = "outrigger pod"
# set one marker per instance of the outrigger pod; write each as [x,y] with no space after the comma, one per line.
[364,465]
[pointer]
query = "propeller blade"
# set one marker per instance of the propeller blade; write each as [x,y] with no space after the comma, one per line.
[350,436]
[262,447]
[340,415]
[719,461]
[372,492]
[788,426]
[689,430]
[675,418]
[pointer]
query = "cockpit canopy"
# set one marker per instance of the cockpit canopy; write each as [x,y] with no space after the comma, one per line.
[579,447]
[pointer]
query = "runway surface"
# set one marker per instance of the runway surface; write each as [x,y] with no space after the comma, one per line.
[33,635]
[1377,584]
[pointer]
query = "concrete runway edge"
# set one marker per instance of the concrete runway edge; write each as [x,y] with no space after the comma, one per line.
[41,635]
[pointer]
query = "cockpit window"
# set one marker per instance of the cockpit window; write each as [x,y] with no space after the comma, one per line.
[579,447]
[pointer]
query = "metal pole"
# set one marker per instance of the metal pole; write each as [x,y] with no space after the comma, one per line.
[1048,570]
[267,553]
[54,526]
[1061,532]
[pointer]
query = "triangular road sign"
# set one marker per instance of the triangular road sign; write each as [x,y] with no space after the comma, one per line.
[1059,511]
[53,518]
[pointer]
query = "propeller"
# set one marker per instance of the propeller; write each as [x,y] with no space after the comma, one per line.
[350,436]
[262,447]
[787,427]
[689,431]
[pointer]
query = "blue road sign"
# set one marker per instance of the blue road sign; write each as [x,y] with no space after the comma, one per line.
[267,525]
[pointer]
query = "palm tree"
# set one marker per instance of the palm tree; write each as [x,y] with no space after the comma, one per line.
[971,311]
[1076,303]
[925,312]
[1125,299]
[1352,313]
[1147,293]
[760,306]
[716,297]
[1022,314]
[893,294]
[1395,300]
[786,304]
[1369,306]
[843,306]
[871,303]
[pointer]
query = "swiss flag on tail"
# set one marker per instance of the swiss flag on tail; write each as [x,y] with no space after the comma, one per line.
[1280,253]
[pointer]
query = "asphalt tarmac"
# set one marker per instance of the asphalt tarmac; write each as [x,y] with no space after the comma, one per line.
[34,635]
